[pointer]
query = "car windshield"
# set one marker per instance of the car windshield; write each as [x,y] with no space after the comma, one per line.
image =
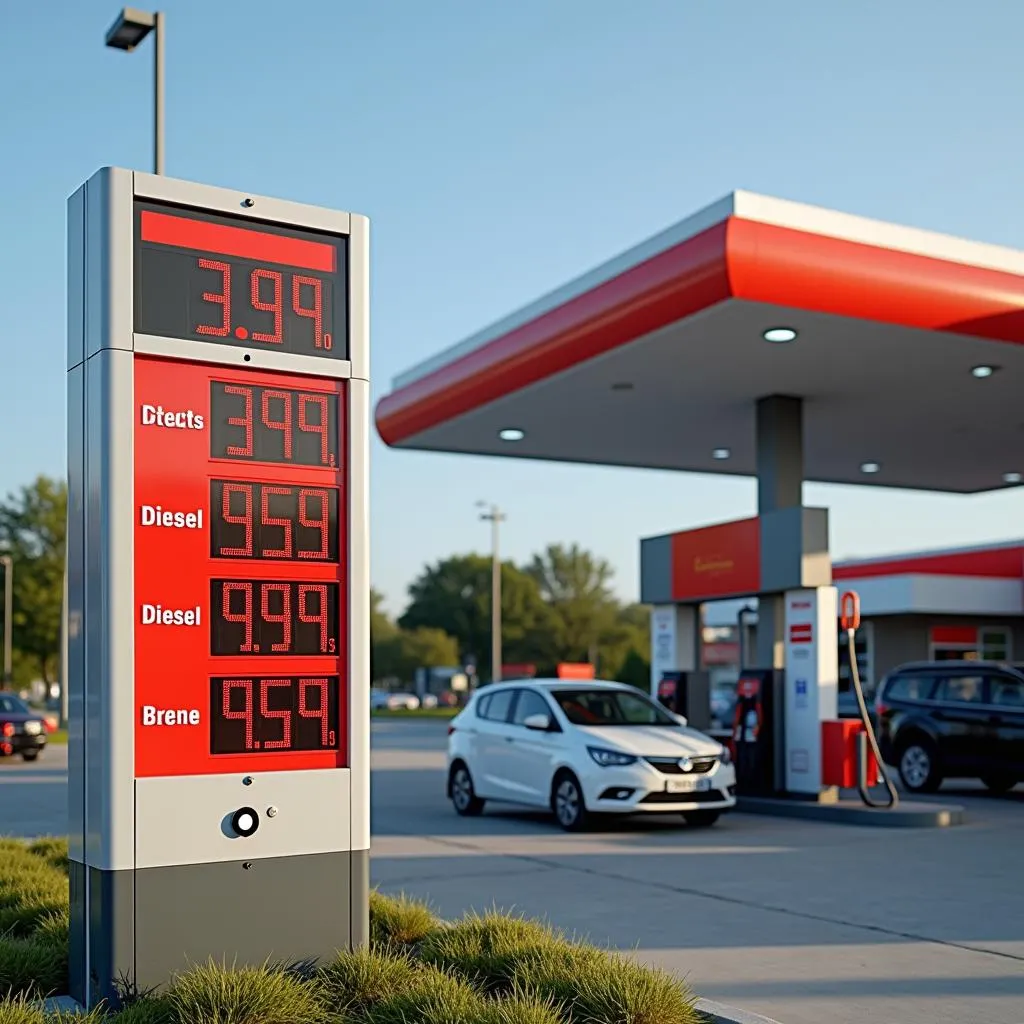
[610,707]
[11,705]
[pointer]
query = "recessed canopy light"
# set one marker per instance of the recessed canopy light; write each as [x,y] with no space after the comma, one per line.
[720,453]
[779,335]
[511,434]
[1012,478]
[870,467]
[981,372]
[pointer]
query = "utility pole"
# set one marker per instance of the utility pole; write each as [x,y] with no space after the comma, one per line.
[495,517]
[8,563]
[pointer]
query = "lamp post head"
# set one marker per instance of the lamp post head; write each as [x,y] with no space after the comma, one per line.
[130,28]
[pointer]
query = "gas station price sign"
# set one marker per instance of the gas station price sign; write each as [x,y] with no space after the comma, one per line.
[218,419]
[203,277]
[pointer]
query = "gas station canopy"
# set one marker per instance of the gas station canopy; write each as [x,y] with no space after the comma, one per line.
[904,345]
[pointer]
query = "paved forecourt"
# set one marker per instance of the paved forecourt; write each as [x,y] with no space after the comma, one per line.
[800,921]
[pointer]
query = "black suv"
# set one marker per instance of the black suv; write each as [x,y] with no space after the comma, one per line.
[953,719]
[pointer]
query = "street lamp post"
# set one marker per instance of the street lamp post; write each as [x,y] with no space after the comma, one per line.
[494,516]
[130,28]
[8,563]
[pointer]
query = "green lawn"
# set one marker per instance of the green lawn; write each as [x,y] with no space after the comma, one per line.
[490,969]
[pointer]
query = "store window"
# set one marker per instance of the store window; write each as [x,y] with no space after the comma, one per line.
[994,642]
[864,649]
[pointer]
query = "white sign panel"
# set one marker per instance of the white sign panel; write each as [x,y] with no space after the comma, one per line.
[812,669]
[663,643]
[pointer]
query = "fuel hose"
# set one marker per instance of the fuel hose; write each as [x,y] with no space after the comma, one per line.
[850,618]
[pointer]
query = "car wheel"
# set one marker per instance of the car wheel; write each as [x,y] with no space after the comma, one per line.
[918,766]
[567,803]
[30,755]
[464,798]
[999,783]
[701,819]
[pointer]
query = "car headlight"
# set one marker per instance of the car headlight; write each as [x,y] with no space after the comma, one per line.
[607,758]
[724,756]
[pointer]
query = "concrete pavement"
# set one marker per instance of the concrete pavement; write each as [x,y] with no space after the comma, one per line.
[802,922]
[34,796]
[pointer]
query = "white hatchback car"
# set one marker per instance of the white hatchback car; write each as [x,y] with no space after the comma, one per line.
[582,748]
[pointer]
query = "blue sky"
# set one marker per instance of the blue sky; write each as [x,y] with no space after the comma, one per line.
[501,149]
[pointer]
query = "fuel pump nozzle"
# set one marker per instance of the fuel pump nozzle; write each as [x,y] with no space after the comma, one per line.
[849,617]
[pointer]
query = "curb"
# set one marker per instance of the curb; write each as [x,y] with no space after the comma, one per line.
[712,1012]
[720,1013]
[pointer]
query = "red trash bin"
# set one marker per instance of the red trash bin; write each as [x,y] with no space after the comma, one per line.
[839,741]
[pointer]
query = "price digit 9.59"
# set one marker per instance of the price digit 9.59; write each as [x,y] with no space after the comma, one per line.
[273,521]
[267,714]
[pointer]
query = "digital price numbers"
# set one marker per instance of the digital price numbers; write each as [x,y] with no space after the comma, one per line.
[281,425]
[273,617]
[274,522]
[235,281]
[270,714]
[283,522]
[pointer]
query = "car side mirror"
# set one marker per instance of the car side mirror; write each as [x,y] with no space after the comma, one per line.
[681,719]
[539,723]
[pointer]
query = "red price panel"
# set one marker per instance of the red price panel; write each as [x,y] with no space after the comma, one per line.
[240,568]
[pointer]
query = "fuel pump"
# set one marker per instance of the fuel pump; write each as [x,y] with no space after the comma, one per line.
[754,731]
[849,618]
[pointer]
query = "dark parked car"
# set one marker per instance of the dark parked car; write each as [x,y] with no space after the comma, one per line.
[953,720]
[22,730]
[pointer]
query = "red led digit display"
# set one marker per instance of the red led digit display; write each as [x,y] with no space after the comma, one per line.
[239,282]
[273,617]
[266,714]
[282,522]
[278,425]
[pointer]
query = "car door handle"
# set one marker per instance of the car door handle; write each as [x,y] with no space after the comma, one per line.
[510,739]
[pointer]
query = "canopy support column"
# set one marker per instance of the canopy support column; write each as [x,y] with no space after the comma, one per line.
[780,484]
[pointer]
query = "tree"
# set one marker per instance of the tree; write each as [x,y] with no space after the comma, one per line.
[33,525]
[381,625]
[635,671]
[382,629]
[400,654]
[626,647]
[454,595]
[575,585]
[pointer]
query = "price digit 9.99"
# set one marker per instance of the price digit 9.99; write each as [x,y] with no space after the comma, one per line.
[265,617]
